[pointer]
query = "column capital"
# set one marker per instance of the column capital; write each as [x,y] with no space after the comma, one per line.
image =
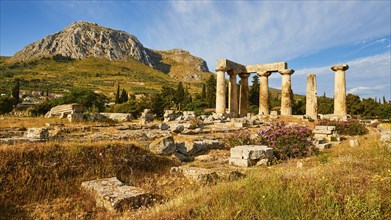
[244,75]
[231,73]
[340,67]
[286,72]
[264,73]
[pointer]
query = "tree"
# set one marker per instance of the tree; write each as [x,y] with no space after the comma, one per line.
[124,96]
[15,92]
[157,104]
[86,97]
[117,96]
[203,93]
[180,95]
[211,91]
[254,91]
[370,108]
[353,104]
[6,104]
[325,105]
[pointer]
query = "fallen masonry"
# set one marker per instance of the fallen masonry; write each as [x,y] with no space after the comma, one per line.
[250,155]
[326,132]
[112,194]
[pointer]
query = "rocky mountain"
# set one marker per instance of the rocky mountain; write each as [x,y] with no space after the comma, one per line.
[84,39]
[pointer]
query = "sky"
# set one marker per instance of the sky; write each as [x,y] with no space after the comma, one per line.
[310,36]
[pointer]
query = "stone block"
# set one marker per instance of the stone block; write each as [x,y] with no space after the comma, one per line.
[199,174]
[198,147]
[353,143]
[113,195]
[75,117]
[164,146]
[241,162]
[121,117]
[37,133]
[323,146]
[252,152]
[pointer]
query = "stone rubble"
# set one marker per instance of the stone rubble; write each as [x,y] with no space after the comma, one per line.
[249,155]
[112,194]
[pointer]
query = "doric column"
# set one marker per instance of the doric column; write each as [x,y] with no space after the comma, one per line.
[264,92]
[311,108]
[243,99]
[340,89]
[233,100]
[286,92]
[220,93]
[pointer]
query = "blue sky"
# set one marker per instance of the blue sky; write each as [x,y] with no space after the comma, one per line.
[309,35]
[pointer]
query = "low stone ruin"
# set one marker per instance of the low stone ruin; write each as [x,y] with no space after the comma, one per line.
[112,194]
[328,133]
[120,117]
[250,155]
[37,133]
[146,117]
[62,111]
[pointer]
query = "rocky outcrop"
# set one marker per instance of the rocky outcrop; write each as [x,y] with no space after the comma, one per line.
[84,39]
[180,65]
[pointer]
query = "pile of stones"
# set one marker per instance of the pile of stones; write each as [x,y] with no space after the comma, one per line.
[250,155]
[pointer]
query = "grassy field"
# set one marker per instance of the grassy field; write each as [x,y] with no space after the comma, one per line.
[43,181]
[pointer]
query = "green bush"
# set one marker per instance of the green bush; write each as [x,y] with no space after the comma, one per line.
[6,104]
[238,138]
[350,127]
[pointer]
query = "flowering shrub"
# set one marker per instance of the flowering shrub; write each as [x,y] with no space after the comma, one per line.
[350,127]
[288,141]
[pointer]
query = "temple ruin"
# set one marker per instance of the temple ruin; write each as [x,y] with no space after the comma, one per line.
[238,101]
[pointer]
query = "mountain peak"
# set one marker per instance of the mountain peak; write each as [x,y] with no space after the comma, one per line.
[83,39]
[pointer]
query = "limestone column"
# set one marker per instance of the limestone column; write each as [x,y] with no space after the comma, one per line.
[220,92]
[233,100]
[311,108]
[340,89]
[286,91]
[243,99]
[264,92]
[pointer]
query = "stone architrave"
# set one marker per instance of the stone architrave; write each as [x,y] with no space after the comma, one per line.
[311,108]
[268,67]
[264,92]
[286,92]
[233,100]
[243,99]
[231,68]
[340,90]
[220,93]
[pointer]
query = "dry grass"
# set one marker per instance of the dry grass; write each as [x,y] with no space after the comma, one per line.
[42,181]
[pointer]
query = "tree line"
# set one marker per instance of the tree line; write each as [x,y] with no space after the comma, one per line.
[181,99]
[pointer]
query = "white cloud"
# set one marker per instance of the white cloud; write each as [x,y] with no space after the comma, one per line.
[367,77]
[264,31]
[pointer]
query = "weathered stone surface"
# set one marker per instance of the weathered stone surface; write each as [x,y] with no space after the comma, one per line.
[264,93]
[121,117]
[198,147]
[113,195]
[84,39]
[242,162]
[233,94]
[311,108]
[252,152]
[37,133]
[146,116]
[286,91]
[63,110]
[268,67]
[230,66]
[220,92]
[171,115]
[164,145]
[75,117]
[323,146]
[163,126]
[353,143]
[177,128]
[340,109]
[325,132]
[243,94]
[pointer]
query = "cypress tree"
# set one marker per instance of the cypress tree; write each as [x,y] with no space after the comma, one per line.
[117,97]
[180,94]
[203,93]
[254,91]
[211,91]
[124,96]
[15,91]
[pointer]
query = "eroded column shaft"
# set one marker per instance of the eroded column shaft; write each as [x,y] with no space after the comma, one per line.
[264,93]
[233,101]
[220,93]
[340,90]
[243,99]
[311,108]
[286,92]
